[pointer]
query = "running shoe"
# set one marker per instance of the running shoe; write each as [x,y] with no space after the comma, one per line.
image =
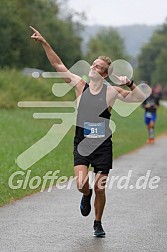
[98,229]
[85,205]
[150,141]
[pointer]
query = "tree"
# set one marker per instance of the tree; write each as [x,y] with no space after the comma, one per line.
[159,75]
[151,61]
[107,42]
[18,50]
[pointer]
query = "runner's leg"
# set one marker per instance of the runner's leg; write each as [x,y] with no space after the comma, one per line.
[100,197]
[81,173]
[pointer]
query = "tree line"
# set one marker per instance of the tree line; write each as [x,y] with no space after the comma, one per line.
[153,57]
[17,50]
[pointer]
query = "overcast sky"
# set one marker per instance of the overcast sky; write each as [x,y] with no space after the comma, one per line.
[122,12]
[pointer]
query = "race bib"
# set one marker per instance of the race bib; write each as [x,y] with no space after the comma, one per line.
[94,130]
[148,115]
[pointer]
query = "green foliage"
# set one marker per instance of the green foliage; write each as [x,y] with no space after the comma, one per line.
[15,86]
[159,75]
[18,50]
[107,42]
[152,59]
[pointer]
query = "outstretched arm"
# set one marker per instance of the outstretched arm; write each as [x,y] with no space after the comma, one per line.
[56,62]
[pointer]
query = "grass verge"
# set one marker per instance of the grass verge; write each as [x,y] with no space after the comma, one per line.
[19,131]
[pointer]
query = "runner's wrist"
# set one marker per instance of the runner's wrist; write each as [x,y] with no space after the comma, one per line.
[44,42]
[130,83]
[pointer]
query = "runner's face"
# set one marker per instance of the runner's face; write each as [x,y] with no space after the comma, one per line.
[98,68]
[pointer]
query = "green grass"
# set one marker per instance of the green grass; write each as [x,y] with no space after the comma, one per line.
[15,86]
[19,131]
[131,131]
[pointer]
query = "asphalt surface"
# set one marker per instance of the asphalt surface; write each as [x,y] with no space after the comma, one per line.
[135,219]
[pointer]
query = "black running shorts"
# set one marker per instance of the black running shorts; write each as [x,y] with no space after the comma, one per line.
[100,160]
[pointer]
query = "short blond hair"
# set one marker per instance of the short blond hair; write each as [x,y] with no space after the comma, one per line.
[108,61]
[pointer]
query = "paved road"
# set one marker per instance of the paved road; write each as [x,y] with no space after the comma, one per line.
[164,103]
[134,219]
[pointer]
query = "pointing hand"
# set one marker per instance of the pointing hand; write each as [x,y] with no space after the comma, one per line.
[36,35]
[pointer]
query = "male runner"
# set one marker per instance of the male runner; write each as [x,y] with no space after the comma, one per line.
[150,105]
[92,141]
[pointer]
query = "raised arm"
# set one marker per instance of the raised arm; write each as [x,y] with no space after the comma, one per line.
[56,62]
